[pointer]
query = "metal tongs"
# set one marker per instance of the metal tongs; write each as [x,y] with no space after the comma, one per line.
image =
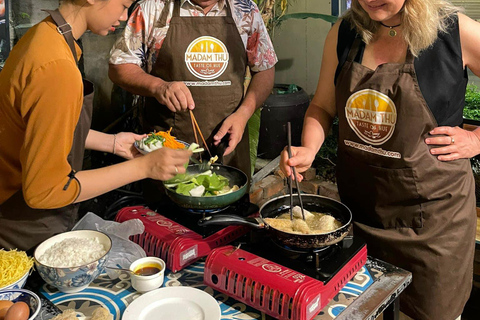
[289,138]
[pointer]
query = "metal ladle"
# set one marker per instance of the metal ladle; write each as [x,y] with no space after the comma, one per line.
[289,138]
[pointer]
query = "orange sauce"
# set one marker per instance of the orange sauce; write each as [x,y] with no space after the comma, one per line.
[148,269]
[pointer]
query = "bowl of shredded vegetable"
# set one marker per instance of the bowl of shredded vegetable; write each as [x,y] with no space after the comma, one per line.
[157,140]
[15,266]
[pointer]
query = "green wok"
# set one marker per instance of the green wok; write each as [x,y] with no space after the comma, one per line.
[235,177]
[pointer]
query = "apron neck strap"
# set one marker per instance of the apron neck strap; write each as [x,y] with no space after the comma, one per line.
[162,21]
[410,58]
[229,10]
[176,8]
[354,49]
[65,29]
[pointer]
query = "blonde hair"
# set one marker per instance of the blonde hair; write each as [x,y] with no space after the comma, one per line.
[421,21]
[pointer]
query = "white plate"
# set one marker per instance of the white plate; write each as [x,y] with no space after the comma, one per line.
[174,303]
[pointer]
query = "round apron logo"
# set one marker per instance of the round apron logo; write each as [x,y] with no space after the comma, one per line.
[372,115]
[206,57]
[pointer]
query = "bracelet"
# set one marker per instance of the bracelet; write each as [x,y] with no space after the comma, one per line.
[114,142]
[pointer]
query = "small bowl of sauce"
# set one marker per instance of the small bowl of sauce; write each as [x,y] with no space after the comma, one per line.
[147,273]
[148,269]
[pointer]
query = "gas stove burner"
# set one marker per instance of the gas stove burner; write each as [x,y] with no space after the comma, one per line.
[175,236]
[311,256]
[283,288]
[302,251]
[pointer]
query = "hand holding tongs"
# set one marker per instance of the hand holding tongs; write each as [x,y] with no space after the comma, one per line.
[289,138]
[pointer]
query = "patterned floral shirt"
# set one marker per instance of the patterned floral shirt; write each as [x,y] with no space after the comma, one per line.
[143,39]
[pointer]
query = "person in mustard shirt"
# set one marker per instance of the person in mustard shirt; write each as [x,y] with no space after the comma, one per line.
[45,116]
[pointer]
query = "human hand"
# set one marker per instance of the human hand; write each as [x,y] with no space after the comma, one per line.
[234,125]
[175,95]
[455,143]
[165,163]
[302,159]
[124,144]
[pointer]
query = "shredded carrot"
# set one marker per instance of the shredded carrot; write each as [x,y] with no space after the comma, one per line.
[170,141]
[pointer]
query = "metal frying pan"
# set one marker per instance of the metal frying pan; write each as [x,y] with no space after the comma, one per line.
[280,205]
[235,177]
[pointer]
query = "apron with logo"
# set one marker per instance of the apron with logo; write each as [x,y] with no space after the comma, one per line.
[414,211]
[16,217]
[207,53]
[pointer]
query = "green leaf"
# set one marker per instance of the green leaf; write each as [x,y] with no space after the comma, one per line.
[214,183]
[181,177]
[472,103]
[202,180]
[184,188]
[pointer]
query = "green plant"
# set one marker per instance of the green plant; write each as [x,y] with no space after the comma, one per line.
[24,15]
[472,103]
[326,159]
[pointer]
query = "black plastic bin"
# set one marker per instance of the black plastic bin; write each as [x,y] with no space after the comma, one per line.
[279,108]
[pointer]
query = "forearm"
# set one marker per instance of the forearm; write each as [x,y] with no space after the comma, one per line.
[99,181]
[100,141]
[258,91]
[134,79]
[316,126]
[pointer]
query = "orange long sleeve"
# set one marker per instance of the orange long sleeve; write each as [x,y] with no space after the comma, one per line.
[41,96]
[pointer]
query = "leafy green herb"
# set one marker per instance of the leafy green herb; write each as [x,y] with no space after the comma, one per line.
[154,139]
[472,103]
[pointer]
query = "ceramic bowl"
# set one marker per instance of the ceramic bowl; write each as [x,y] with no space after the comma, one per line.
[17,284]
[142,151]
[143,283]
[72,278]
[27,296]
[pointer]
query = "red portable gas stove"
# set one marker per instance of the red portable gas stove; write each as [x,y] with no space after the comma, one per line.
[285,283]
[173,234]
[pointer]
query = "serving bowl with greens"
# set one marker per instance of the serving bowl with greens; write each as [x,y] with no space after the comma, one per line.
[217,187]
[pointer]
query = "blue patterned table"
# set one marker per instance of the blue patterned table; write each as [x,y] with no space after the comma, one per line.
[116,294]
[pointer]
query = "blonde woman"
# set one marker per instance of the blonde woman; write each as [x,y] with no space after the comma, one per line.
[394,72]
[45,115]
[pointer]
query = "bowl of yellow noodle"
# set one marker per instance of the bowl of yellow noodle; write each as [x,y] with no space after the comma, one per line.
[15,267]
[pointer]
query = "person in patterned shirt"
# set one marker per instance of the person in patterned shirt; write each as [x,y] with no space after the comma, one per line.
[186,55]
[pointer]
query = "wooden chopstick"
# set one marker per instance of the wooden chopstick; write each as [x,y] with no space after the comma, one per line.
[199,131]
[194,128]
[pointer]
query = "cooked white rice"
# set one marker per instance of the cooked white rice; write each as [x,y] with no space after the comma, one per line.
[73,252]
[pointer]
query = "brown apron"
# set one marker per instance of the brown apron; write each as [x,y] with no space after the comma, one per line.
[23,227]
[208,54]
[413,210]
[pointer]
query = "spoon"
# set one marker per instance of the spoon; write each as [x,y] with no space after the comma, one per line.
[120,269]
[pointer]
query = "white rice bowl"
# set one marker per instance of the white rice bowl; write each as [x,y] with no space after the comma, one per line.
[72,269]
